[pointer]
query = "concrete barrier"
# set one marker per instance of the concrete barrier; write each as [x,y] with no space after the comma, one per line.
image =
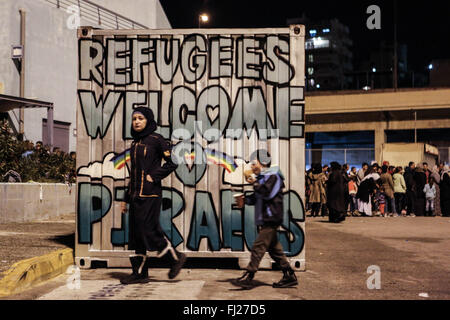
[30,272]
[23,202]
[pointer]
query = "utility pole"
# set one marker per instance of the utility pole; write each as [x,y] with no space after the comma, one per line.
[22,68]
[395,69]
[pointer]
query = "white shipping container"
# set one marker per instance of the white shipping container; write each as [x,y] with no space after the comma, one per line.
[228,91]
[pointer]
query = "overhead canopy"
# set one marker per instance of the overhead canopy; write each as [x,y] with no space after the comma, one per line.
[8,103]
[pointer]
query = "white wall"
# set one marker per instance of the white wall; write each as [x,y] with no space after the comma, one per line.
[147,12]
[51,55]
[22,202]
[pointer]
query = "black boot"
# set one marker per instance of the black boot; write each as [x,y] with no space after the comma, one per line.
[177,259]
[139,272]
[289,279]
[245,281]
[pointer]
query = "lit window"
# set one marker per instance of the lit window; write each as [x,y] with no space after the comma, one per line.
[310,71]
[312,33]
[326,30]
[321,43]
[309,44]
[311,58]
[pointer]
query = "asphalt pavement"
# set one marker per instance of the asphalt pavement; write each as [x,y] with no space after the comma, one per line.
[369,258]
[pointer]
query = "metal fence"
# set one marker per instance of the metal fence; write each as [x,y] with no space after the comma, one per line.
[444,155]
[97,15]
[353,157]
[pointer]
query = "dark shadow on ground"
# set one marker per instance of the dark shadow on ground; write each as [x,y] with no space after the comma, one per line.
[67,239]
[199,263]
[255,284]
[122,275]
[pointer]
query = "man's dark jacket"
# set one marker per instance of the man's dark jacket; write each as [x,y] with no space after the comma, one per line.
[268,197]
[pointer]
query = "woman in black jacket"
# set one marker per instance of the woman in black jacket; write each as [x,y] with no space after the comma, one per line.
[420,180]
[336,193]
[144,197]
[445,192]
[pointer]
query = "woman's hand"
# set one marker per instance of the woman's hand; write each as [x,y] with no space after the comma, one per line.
[149,178]
[123,207]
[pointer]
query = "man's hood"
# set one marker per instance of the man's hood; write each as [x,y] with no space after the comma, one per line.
[274,170]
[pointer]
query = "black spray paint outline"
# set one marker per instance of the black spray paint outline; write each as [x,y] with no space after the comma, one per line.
[91,75]
[97,101]
[295,102]
[231,59]
[78,209]
[254,126]
[193,217]
[196,47]
[101,162]
[279,56]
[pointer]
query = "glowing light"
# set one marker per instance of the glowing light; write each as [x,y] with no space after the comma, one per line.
[204,17]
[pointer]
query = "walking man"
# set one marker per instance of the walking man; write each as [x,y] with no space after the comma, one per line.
[268,201]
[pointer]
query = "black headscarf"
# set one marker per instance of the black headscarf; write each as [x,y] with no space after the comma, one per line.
[149,128]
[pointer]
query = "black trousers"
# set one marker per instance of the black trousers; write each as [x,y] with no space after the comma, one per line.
[399,202]
[336,216]
[410,201]
[145,232]
[419,206]
[445,208]
[315,209]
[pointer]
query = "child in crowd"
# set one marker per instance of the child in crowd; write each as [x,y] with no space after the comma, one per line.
[380,199]
[352,191]
[430,195]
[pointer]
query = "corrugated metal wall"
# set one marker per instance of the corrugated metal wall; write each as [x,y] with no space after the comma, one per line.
[229,91]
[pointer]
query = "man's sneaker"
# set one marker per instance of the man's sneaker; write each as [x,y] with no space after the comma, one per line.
[177,265]
[245,281]
[289,280]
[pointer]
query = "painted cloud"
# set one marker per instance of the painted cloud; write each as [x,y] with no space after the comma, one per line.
[237,177]
[97,170]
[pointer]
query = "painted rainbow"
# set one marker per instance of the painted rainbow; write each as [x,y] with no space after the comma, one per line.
[218,158]
[120,159]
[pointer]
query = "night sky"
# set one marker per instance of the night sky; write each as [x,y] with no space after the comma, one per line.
[424,26]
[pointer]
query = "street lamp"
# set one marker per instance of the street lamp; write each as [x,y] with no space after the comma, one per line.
[203,18]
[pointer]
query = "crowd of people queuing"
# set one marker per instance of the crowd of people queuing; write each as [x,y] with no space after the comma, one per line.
[387,191]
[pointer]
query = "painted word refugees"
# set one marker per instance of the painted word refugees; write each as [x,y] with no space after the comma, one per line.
[261,58]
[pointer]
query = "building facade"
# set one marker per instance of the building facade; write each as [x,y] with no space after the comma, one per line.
[352,126]
[329,58]
[51,51]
